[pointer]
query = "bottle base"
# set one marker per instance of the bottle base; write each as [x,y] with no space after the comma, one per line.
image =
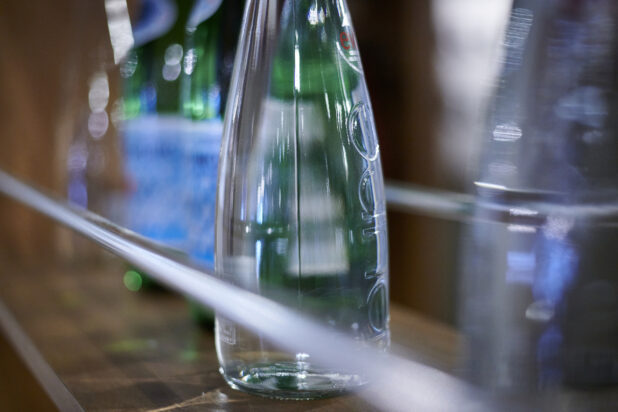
[289,380]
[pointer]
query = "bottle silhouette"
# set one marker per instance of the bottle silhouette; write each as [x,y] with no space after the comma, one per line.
[540,288]
[210,42]
[153,129]
[300,207]
[205,81]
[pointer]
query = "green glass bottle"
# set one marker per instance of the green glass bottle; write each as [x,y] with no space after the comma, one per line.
[152,127]
[201,94]
[201,102]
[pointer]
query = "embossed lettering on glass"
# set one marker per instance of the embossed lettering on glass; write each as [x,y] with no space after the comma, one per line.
[300,209]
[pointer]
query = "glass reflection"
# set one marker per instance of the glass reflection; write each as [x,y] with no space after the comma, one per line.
[539,284]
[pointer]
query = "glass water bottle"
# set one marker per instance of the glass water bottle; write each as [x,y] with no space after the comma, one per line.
[152,127]
[204,87]
[153,130]
[300,207]
[540,290]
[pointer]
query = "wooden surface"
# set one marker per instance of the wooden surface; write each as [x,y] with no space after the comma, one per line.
[112,349]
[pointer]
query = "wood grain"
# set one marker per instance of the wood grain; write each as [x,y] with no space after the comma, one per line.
[119,350]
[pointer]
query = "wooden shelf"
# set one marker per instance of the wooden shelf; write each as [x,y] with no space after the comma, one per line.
[91,344]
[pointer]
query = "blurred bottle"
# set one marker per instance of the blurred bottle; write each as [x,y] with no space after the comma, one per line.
[85,138]
[153,128]
[300,210]
[92,175]
[201,94]
[540,282]
[210,44]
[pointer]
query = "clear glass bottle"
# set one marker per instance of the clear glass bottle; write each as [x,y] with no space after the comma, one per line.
[540,287]
[300,209]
